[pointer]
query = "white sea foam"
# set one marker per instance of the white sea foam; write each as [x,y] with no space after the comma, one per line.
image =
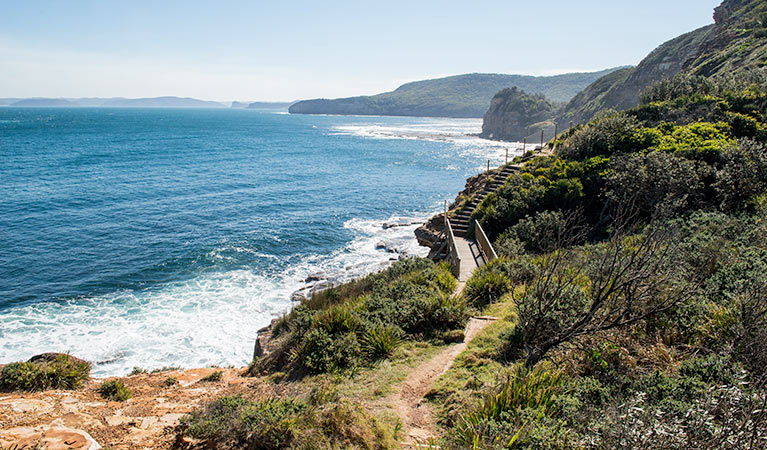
[209,320]
[462,133]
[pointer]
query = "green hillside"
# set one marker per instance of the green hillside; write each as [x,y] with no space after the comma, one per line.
[457,96]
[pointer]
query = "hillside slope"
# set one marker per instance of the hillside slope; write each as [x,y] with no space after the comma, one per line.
[457,96]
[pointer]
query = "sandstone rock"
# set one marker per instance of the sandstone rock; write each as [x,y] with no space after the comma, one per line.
[44,358]
[24,405]
[117,420]
[51,438]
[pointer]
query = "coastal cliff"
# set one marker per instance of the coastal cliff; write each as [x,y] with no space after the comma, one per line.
[514,114]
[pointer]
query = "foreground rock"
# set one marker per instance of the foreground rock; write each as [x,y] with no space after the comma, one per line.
[50,438]
[82,419]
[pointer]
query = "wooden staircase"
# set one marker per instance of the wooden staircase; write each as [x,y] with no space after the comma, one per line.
[461,220]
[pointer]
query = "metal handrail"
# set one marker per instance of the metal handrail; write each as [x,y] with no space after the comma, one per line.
[488,252]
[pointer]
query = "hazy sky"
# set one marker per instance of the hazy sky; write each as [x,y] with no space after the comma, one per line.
[286,50]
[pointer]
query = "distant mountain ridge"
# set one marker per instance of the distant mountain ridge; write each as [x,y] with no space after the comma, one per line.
[466,95]
[118,102]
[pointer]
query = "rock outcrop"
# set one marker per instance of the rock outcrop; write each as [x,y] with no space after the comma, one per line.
[515,114]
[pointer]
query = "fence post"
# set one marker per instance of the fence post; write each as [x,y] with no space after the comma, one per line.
[488,166]
[507,155]
[541,139]
[445,214]
[524,146]
[571,125]
[556,129]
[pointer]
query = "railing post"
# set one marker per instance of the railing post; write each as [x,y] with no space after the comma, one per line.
[524,146]
[507,155]
[541,139]
[571,126]
[488,166]
[556,129]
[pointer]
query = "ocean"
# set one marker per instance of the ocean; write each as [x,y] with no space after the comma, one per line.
[168,237]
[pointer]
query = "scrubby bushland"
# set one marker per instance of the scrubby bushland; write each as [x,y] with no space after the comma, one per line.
[114,390]
[694,144]
[366,320]
[636,313]
[321,421]
[213,377]
[59,372]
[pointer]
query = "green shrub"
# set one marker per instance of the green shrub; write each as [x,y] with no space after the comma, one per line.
[380,341]
[487,285]
[323,352]
[137,371]
[170,381]
[213,377]
[64,372]
[336,319]
[608,132]
[272,424]
[445,312]
[114,390]
[525,396]
[445,280]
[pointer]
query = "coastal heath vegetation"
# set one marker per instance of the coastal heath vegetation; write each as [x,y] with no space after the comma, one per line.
[631,285]
[50,371]
[354,325]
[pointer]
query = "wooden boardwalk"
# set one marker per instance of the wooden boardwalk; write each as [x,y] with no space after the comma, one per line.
[471,257]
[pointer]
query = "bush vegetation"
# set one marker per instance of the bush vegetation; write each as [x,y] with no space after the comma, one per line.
[213,377]
[631,284]
[349,326]
[114,390]
[321,421]
[63,372]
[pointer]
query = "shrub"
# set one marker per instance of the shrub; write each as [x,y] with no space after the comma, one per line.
[445,312]
[213,377]
[137,371]
[486,285]
[445,280]
[323,352]
[380,341]
[170,381]
[336,319]
[525,394]
[541,232]
[271,424]
[655,179]
[63,372]
[114,390]
[743,175]
[609,132]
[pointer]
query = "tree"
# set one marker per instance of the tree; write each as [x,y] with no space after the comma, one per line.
[584,291]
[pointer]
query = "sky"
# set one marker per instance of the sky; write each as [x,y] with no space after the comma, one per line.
[283,50]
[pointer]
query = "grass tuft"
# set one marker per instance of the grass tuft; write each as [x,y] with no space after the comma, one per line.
[114,390]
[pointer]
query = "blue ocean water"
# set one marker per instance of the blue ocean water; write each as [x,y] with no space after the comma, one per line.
[168,237]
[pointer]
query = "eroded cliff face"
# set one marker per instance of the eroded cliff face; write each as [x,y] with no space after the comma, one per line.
[621,90]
